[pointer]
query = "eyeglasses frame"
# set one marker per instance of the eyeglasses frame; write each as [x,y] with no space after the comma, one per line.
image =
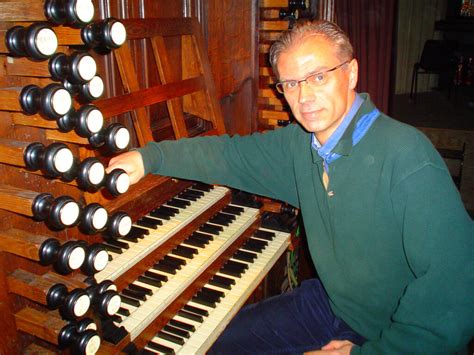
[279,85]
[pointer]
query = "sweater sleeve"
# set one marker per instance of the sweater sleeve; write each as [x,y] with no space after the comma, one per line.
[258,163]
[435,312]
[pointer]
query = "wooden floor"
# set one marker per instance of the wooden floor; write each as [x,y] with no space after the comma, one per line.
[448,120]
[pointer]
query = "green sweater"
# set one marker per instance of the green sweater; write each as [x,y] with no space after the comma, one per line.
[390,238]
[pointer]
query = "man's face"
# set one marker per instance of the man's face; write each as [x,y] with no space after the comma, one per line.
[319,109]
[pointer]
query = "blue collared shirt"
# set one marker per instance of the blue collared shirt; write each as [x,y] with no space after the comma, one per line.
[325,150]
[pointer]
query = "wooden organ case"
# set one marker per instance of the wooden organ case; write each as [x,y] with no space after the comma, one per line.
[88,263]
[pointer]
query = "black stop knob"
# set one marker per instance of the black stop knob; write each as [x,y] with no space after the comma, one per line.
[93,220]
[86,342]
[97,259]
[115,138]
[72,304]
[60,213]
[90,91]
[86,121]
[53,101]
[91,174]
[119,225]
[78,68]
[66,258]
[37,41]
[104,35]
[75,13]
[117,182]
[55,160]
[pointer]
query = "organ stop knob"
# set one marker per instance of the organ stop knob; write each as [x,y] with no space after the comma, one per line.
[76,13]
[53,101]
[37,41]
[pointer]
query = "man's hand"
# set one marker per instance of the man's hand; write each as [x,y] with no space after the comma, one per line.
[131,162]
[334,347]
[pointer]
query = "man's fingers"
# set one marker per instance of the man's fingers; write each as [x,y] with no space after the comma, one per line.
[336,344]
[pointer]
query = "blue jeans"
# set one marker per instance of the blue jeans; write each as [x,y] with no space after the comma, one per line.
[291,323]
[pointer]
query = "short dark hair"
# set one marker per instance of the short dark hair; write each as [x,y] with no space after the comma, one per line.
[306,28]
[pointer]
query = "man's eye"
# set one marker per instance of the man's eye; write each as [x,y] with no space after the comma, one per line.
[290,84]
[318,78]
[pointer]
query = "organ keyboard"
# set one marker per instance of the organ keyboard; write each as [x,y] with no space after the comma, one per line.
[149,262]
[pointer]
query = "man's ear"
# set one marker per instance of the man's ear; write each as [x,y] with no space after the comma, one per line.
[354,73]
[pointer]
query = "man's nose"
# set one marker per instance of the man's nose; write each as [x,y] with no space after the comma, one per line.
[306,92]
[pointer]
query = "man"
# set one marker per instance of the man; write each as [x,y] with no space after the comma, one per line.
[387,231]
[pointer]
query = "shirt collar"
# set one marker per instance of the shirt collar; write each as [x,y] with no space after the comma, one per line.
[325,149]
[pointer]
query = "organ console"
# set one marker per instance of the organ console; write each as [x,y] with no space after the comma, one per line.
[158,267]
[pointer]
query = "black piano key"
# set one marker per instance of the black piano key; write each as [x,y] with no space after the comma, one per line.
[195,242]
[160,215]
[186,196]
[134,294]
[170,337]
[244,256]
[237,264]
[221,281]
[156,276]
[176,331]
[149,281]
[205,300]
[227,216]
[212,291]
[178,203]
[196,193]
[115,318]
[264,234]
[226,270]
[123,312]
[196,310]
[139,288]
[170,211]
[185,252]
[138,232]
[146,223]
[112,249]
[160,348]
[165,268]
[173,260]
[233,210]
[130,238]
[203,236]
[220,221]
[117,243]
[211,229]
[148,352]
[191,316]
[180,324]
[202,186]
[130,301]
[170,264]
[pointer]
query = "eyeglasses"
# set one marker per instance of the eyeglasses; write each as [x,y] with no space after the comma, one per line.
[314,80]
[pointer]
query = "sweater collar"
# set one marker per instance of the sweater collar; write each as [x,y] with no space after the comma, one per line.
[344,145]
